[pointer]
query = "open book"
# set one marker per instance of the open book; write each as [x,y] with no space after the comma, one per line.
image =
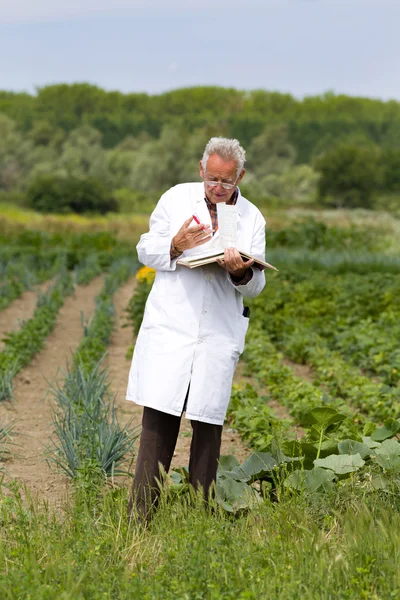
[199,260]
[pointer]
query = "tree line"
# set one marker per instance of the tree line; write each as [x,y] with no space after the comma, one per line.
[124,149]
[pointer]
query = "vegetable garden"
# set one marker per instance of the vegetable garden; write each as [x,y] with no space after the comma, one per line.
[313,509]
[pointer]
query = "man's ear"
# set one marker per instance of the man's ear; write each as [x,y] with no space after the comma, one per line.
[239,179]
[201,170]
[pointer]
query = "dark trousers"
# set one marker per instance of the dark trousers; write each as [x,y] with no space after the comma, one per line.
[157,445]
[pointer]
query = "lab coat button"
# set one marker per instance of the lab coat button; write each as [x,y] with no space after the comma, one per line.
[203,312]
[199,341]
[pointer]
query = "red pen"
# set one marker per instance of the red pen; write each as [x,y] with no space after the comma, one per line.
[196,218]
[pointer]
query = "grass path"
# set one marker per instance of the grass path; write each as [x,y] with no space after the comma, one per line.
[31,407]
[20,310]
[118,368]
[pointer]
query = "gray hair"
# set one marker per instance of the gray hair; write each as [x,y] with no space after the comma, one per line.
[227,149]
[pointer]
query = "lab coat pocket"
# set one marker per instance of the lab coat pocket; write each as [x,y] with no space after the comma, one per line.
[243,324]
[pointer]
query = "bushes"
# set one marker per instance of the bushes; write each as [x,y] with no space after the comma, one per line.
[52,194]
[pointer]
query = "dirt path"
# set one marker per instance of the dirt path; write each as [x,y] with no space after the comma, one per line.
[19,311]
[118,368]
[32,406]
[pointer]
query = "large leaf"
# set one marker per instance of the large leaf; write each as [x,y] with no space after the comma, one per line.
[311,481]
[235,495]
[389,429]
[321,417]
[258,465]
[228,462]
[299,448]
[340,463]
[388,455]
[229,468]
[353,447]
[370,442]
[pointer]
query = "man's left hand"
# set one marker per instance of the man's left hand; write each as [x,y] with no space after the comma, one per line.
[234,263]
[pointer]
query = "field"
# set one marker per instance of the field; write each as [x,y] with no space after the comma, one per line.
[307,498]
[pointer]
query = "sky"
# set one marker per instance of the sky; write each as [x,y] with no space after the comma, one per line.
[303,47]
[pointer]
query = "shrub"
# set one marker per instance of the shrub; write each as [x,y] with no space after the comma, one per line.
[51,194]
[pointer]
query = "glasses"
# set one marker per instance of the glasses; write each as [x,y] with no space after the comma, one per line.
[223,184]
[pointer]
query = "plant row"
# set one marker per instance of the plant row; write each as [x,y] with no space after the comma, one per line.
[355,315]
[90,442]
[31,257]
[23,344]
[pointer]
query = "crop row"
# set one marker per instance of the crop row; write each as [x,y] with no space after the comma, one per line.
[90,442]
[356,315]
[32,256]
[23,344]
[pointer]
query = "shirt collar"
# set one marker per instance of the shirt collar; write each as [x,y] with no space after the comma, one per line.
[232,201]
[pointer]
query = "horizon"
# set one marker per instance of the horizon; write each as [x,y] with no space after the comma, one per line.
[326,93]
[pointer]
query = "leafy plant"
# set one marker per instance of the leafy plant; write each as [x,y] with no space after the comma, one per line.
[87,429]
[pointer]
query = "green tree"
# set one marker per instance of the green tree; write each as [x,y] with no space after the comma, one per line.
[270,152]
[349,176]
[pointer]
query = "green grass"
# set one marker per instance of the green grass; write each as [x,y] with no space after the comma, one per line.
[346,545]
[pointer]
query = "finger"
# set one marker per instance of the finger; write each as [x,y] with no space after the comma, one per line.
[187,222]
[248,263]
[221,262]
[201,236]
[196,229]
[203,241]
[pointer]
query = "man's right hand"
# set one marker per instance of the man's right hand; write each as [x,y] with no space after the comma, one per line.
[190,237]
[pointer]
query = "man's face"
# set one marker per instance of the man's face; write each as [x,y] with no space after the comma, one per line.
[221,171]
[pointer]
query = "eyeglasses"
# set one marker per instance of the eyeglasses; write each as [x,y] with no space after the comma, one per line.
[224,185]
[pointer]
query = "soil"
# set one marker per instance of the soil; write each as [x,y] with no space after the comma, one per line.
[31,407]
[303,371]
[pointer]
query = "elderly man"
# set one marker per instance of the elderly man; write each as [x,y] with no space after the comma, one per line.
[193,329]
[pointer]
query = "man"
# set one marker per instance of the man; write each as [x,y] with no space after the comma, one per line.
[193,329]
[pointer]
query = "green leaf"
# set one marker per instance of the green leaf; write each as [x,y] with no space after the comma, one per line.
[379,482]
[389,429]
[388,455]
[370,442]
[311,480]
[235,495]
[298,448]
[369,428]
[228,462]
[258,465]
[353,447]
[341,464]
[321,417]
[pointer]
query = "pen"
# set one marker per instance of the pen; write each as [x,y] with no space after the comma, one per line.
[196,218]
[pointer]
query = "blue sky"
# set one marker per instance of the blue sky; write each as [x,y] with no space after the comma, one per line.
[304,47]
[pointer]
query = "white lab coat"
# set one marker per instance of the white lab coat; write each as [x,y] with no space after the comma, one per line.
[193,330]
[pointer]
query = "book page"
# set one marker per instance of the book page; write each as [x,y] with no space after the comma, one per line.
[227,224]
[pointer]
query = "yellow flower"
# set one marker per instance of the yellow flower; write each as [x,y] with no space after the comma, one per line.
[145,275]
